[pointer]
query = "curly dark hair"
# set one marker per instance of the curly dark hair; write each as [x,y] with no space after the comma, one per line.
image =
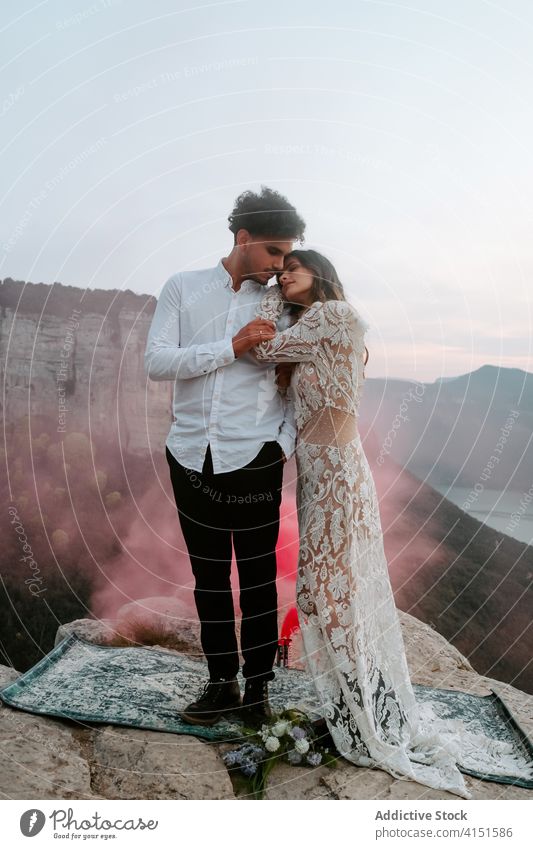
[266,214]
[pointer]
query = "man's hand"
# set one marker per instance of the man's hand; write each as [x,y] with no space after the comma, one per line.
[256,331]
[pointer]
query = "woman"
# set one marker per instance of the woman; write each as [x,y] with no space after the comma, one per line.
[349,623]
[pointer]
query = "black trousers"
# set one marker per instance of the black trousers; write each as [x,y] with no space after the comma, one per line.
[239,507]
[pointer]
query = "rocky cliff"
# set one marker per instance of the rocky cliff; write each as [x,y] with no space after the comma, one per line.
[45,758]
[73,361]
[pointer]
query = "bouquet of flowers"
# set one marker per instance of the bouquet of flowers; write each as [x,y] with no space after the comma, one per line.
[289,736]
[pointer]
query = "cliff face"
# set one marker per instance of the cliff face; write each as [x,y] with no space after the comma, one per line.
[64,761]
[82,370]
[85,347]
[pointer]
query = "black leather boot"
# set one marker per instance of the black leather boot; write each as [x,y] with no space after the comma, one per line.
[255,704]
[216,699]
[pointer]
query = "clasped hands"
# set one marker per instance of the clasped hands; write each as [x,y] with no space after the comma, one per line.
[252,334]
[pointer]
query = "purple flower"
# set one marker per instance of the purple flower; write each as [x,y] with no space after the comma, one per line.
[249,768]
[252,751]
[231,758]
[314,758]
[297,733]
[245,757]
[294,757]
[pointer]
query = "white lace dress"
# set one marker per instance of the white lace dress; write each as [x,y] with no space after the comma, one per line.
[350,628]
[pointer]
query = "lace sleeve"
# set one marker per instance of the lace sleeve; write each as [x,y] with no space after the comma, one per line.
[334,322]
[272,303]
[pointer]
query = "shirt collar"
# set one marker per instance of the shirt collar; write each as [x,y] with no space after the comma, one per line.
[225,277]
[223,274]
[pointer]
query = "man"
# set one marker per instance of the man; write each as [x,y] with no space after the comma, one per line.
[230,436]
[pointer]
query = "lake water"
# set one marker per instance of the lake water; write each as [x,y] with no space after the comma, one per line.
[509,512]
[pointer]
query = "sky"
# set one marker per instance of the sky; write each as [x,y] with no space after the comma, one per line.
[401,131]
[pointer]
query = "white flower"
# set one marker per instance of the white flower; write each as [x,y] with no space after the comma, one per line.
[301,746]
[280,728]
[272,744]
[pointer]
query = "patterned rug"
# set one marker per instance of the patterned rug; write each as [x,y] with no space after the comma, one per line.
[145,688]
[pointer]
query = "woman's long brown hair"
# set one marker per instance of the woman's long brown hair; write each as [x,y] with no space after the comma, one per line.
[326,284]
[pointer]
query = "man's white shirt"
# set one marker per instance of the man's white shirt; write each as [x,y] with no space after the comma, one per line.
[230,403]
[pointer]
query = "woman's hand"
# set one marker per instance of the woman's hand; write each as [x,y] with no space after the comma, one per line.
[252,334]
